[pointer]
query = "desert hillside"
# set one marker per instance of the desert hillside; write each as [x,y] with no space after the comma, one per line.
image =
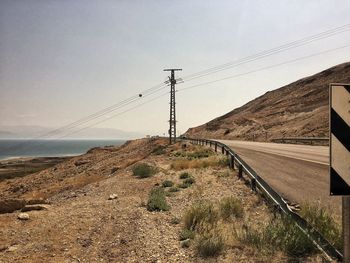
[299,109]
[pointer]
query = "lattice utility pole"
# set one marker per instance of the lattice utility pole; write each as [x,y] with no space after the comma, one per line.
[172,120]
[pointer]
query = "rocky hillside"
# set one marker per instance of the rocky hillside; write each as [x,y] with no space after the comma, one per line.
[299,109]
[106,206]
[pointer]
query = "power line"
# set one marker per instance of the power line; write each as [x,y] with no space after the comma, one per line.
[118,114]
[229,77]
[91,117]
[263,68]
[96,123]
[267,53]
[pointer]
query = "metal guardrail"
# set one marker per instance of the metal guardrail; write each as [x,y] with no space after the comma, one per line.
[300,139]
[257,183]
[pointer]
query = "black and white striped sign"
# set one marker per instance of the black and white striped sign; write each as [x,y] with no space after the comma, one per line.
[339,139]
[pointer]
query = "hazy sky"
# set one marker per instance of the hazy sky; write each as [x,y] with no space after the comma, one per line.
[62,60]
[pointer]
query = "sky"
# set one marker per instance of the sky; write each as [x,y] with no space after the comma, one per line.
[63,60]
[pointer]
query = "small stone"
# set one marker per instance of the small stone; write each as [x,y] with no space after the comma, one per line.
[112,196]
[23,216]
[12,248]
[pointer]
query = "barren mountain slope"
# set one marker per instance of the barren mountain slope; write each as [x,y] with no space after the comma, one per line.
[295,110]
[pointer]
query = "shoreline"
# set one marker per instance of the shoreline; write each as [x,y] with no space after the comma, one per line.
[31,157]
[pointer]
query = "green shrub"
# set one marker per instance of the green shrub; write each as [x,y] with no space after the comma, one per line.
[157,200]
[186,234]
[279,234]
[322,220]
[231,207]
[167,183]
[209,243]
[184,175]
[199,213]
[174,189]
[143,170]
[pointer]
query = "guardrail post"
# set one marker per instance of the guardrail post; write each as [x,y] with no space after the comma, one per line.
[216,147]
[210,144]
[232,162]
[227,152]
[253,184]
[222,150]
[240,171]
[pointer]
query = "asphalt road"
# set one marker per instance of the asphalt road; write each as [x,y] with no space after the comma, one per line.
[298,172]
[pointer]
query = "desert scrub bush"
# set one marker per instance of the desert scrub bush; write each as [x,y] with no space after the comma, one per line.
[184,175]
[157,200]
[143,170]
[186,234]
[223,161]
[320,218]
[167,183]
[174,189]
[199,153]
[159,150]
[231,207]
[212,161]
[279,234]
[199,213]
[209,243]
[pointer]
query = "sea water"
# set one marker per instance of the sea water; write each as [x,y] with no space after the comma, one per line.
[12,148]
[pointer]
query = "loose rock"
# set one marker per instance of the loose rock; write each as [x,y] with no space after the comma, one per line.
[12,248]
[112,196]
[23,216]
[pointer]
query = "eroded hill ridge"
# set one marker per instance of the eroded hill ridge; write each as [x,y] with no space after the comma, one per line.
[299,109]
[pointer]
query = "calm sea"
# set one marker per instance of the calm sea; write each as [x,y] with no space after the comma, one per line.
[39,148]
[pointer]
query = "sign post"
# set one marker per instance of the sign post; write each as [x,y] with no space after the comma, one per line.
[339,145]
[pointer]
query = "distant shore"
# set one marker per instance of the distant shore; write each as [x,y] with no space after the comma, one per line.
[14,149]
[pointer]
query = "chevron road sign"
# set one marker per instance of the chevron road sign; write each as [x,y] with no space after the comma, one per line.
[340,139]
[339,149]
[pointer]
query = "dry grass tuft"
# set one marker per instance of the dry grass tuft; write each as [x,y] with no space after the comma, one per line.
[231,207]
[213,161]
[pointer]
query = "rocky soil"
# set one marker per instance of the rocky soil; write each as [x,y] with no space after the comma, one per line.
[299,109]
[95,210]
